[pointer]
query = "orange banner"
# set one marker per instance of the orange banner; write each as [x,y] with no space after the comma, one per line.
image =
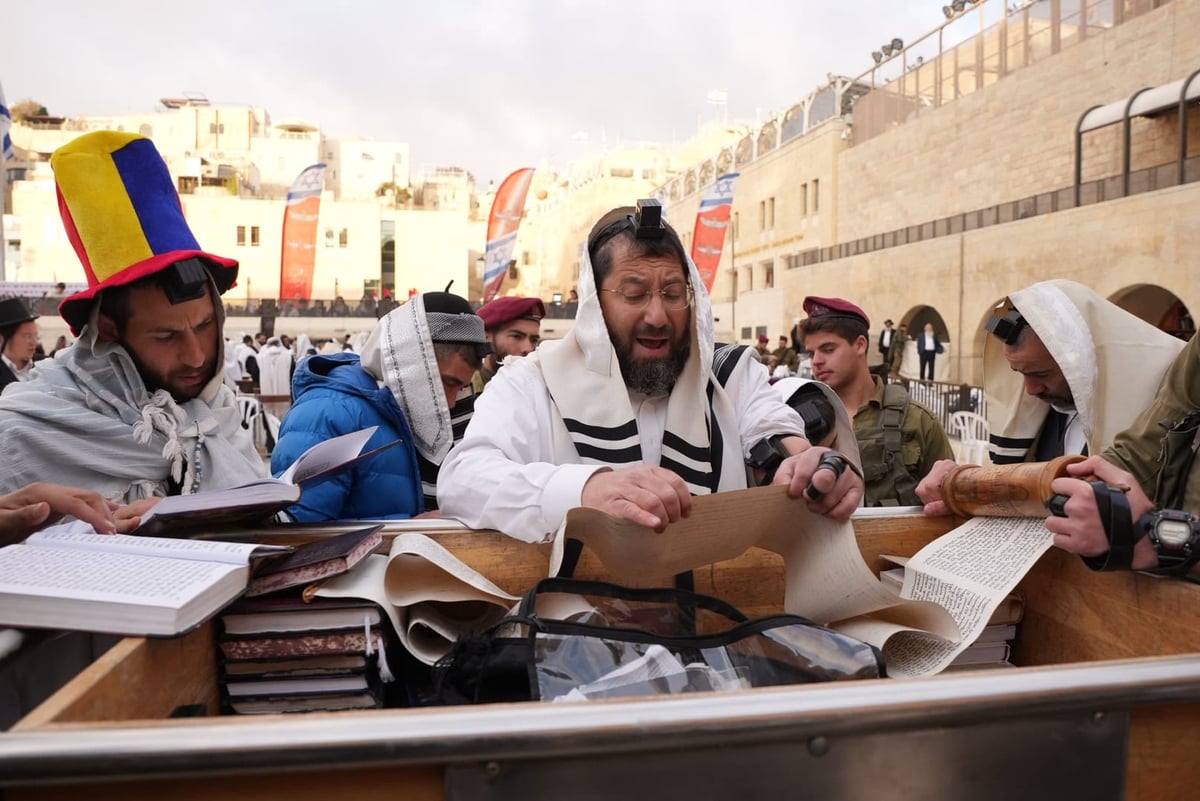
[299,258]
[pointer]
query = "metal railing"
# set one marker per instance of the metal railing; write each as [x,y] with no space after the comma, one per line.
[944,398]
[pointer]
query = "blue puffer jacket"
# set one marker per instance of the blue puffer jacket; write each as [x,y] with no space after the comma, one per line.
[334,396]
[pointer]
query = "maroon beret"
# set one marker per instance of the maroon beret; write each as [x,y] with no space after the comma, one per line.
[506,309]
[834,307]
[762,338]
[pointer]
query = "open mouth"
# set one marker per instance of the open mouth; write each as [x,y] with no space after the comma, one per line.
[654,346]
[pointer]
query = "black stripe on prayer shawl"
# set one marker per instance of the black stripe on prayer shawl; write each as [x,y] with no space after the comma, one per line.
[630,455]
[716,444]
[681,445]
[689,474]
[613,434]
[429,476]
[1011,442]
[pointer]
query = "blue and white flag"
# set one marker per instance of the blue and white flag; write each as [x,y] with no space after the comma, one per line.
[5,124]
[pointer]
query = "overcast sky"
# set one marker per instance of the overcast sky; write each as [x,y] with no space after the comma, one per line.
[489,86]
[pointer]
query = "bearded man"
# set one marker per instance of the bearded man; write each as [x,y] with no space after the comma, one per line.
[626,414]
[137,409]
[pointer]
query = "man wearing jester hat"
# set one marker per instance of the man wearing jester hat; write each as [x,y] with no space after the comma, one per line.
[635,410]
[137,409]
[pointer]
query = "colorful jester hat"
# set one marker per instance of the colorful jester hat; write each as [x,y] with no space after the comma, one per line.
[123,217]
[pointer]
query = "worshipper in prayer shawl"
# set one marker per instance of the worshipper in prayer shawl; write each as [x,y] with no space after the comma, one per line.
[626,414]
[1065,371]
[137,408]
[414,365]
[1074,370]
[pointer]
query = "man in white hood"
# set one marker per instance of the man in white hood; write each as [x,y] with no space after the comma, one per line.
[1065,370]
[627,413]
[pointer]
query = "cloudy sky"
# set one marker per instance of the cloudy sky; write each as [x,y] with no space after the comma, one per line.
[489,86]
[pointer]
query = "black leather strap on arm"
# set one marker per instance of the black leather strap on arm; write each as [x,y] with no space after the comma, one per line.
[1113,507]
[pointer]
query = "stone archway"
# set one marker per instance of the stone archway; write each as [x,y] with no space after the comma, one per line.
[1158,306]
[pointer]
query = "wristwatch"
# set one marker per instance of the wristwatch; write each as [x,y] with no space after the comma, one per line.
[1175,536]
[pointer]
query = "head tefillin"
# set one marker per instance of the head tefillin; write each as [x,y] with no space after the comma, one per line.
[648,220]
[185,280]
[1006,323]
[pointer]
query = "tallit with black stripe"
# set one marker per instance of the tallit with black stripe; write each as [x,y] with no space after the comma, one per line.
[1112,360]
[595,419]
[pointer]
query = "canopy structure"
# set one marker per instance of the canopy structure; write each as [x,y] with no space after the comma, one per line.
[1144,102]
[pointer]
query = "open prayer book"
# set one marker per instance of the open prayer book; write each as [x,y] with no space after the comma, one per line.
[70,577]
[257,500]
[957,581]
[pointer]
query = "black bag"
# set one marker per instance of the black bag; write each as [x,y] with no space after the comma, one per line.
[588,639]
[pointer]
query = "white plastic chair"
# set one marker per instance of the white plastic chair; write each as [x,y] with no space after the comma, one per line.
[972,432]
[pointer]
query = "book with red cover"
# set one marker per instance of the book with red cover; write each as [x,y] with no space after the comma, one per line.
[307,644]
[315,560]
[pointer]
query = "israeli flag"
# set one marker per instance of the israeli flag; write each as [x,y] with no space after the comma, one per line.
[5,124]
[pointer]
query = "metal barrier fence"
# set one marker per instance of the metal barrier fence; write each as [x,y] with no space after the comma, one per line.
[943,398]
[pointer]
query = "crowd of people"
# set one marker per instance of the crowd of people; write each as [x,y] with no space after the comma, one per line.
[634,412]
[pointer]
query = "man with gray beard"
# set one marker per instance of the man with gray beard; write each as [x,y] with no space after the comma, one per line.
[631,413]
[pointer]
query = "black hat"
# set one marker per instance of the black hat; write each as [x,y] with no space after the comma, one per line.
[13,311]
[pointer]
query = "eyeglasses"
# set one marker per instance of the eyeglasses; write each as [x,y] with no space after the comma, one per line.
[674,297]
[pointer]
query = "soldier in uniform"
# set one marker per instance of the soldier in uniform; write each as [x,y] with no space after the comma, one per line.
[898,439]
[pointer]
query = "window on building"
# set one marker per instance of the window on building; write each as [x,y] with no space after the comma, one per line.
[768,274]
[344,238]
[188,184]
[816,196]
[749,271]
[212,127]
[525,257]
[241,236]
[254,238]
[762,215]
[791,261]
[804,200]
[771,213]
[761,330]
[746,331]
[329,240]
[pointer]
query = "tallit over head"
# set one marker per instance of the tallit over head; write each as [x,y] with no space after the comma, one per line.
[582,372]
[1112,360]
[399,353]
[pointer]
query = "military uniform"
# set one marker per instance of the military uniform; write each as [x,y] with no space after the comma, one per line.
[1159,448]
[922,441]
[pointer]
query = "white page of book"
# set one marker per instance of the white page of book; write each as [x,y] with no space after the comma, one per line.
[326,455]
[81,536]
[106,576]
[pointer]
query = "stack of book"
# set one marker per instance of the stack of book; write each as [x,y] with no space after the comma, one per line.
[283,651]
[993,646]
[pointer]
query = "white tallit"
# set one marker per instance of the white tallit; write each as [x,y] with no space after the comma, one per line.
[595,422]
[1112,360]
[86,420]
[399,352]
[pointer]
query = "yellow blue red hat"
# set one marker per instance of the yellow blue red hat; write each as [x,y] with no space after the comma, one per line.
[123,217]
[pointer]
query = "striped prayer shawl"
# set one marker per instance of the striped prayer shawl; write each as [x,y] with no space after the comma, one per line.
[1112,361]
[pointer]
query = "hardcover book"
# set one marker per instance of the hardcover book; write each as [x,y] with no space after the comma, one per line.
[258,500]
[69,577]
[358,641]
[289,614]
[315,560]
